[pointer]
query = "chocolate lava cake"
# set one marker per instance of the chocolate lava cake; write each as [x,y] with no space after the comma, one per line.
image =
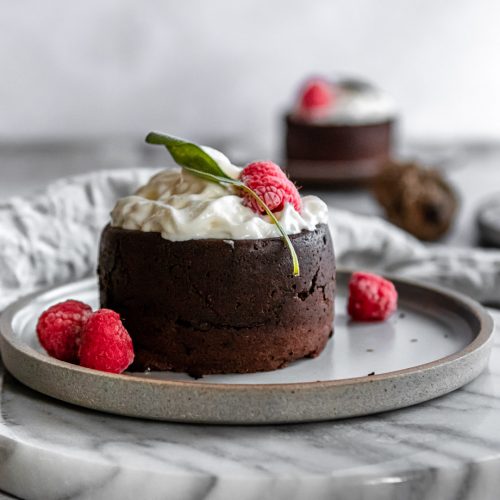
[216,268]
[339,132]
[206,306]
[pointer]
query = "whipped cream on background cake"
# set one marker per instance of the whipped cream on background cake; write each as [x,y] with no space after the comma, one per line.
[354,103]
[182,207]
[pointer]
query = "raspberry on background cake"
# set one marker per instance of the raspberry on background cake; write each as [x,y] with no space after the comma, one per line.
[316,99]
[338,132]
[201,272]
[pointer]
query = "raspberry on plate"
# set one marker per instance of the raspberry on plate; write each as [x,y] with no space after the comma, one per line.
[371,297]
[59,329]
[105,344]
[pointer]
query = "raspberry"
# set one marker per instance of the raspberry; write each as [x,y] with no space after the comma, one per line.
[273,191]
[105,344]
[317,94]
[59,329]
[371,297]
[262,169]
[271,184]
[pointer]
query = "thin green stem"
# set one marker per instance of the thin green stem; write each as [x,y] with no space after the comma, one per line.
[241,185]
[192,158]
[295,259]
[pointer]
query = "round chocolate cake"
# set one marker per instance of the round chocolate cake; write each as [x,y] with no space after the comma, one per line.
[205,280]
[339,132]
[219,306]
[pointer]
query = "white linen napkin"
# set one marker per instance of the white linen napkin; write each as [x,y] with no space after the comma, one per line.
[52,237]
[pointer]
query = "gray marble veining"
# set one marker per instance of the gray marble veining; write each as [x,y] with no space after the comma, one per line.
[446,449]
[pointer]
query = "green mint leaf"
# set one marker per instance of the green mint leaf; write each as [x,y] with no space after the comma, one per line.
[187,154]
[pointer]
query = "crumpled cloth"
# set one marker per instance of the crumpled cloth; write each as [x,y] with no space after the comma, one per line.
[52,238]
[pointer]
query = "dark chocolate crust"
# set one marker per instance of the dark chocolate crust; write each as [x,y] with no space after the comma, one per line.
[336,154]
[219,306]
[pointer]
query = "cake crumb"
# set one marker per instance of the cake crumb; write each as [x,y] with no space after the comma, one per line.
[371,374]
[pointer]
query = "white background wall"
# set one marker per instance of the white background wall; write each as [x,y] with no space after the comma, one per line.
[226,68]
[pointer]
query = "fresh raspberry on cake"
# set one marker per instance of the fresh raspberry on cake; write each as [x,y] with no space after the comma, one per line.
[371,297]
[59,329]
[259,169]
[274,191]
[317,94]
[105,344]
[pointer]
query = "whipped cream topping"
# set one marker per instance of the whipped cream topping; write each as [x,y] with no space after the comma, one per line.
[182,207]
[355,103]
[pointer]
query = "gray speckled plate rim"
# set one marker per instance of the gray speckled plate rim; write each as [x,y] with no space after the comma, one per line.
[465,307]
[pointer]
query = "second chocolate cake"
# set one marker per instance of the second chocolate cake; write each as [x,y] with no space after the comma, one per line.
[339,132]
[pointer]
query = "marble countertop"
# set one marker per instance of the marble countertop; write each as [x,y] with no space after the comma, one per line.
[445,449]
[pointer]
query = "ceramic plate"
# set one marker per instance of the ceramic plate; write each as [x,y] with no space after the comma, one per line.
[436,342]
